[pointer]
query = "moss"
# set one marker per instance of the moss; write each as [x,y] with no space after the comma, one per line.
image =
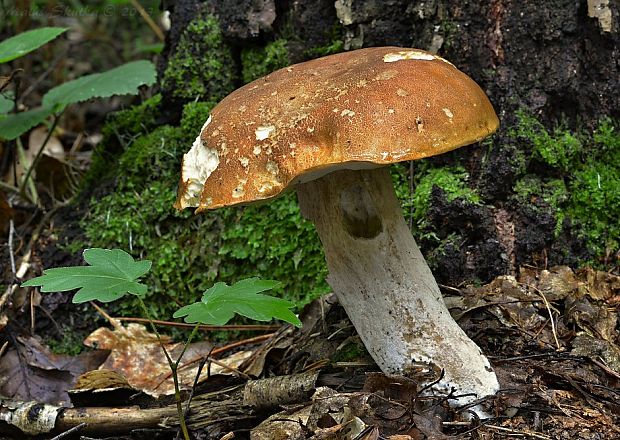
[335,36]
[353,350]
[194,116]
[70,343]
[335,46]
[120,129]
[275,241]
[559,149]
[449,29]
[202,65]
[595,205]
[588,192]
[257,61]
[414,192]
[552,191]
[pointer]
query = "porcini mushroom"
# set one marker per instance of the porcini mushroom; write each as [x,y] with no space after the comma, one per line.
[328,128]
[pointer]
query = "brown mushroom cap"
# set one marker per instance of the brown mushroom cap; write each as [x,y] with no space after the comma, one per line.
[357,109]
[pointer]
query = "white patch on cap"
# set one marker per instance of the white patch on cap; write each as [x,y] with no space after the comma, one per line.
[244,161]
[407,55]
[448,113]
[257,149]
[419,123]
[206,123]
[265,187]
[239,191]
[272,168]
[198,164]
[347,112]
[264,131]
[401,92]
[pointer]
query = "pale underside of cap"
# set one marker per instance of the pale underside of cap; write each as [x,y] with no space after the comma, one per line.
[358,109]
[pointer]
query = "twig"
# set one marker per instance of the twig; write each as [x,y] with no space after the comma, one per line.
[32,314]
[519,433]
[548,306]
[604,367]
[202,327]
[21,271]
[145,15]
[113,321]
[11,256]
[36,159]
[233,370]
[227,347]
[70,431]
[3,348]
[7,187]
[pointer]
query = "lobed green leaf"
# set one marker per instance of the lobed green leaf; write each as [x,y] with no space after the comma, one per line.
[220,303]
[111,275]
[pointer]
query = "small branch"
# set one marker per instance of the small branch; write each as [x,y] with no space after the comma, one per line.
[11,256]
[250,327]
[113,321]
[548,306]
[34,163]
[518,433]
[70,431]
[145,15]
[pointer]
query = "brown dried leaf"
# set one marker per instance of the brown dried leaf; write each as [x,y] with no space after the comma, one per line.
[29,371]
[100,380]
[599,285]
[137,355]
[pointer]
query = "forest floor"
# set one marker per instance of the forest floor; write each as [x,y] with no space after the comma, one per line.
[551,336]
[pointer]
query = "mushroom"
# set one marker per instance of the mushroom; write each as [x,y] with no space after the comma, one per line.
[328,128]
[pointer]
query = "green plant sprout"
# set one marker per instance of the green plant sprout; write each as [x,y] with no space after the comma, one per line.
[113,274]
[122,80]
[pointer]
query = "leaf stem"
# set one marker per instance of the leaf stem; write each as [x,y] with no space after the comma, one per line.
[36,159]
[173,367]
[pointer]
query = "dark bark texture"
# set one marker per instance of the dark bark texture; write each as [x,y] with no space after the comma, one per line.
[556,60]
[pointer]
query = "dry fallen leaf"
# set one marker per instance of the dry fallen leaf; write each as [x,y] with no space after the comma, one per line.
[136,354]
[29,371]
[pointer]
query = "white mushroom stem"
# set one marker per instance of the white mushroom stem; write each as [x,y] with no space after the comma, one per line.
[383,282]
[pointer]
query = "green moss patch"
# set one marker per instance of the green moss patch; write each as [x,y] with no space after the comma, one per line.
[587,190]
[202,65]
[258,61]
[415,199]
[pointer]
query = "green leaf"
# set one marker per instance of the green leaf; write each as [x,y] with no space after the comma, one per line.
[220,303]
[6,104]
[14,125]
[26,42]
[121,80]
[111,275]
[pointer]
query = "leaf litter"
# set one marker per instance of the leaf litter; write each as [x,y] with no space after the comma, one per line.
[552,336]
